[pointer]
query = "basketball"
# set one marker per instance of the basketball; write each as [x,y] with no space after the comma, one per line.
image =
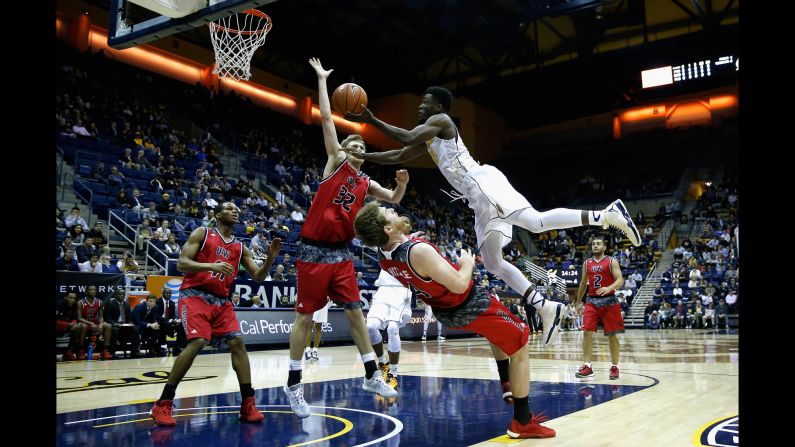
[348,97]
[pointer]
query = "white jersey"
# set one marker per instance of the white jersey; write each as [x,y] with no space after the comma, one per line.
[387,280]
[453,159]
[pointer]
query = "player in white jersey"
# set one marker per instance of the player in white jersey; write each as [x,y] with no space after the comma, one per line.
[427,320]
[497,205]
[391,310]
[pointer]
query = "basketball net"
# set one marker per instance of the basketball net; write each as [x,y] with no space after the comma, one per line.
[235,39]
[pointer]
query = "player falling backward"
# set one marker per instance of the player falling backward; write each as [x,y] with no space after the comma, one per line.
[456,301]
[497,205]
[324,262]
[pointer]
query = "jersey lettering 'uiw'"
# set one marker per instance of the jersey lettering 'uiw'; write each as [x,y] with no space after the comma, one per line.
[215,249]
[396,263]
[90,312]
[599,275]
[339,197]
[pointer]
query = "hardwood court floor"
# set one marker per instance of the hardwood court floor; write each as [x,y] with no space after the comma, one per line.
[673,384]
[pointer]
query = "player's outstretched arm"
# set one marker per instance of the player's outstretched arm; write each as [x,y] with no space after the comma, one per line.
[329,131]
[390,195]
[389,157]
[419,134]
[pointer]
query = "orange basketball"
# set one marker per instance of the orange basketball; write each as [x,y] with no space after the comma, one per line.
[348,97]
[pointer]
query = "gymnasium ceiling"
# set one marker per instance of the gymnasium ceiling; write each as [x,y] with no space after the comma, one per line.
[531,61]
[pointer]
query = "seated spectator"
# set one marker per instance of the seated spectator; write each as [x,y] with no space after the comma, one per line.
[209,201]
[172,247]
[116,177]
[136,200]
[666,312]
[97,234]
[145,317]
[65,245]
[297,215]
[67,262]
[86,250]
[236,300]
[144,234]
[74,219]
[169,322]
[636,276]
[165,206]
[90,313]
[680,314]
[677,292]
[698,313]
[731,301]
[659,295]
[127,264]
[118,314]
[569,317]
[666,276]
[631,284]
[209,219]
[151,213]
[709,316]
[164,230]
[101,174]
[60,225]
[92,265]
[654,320]
[722,314]
[107,265]
[651,307]
[359,279]
[66,323]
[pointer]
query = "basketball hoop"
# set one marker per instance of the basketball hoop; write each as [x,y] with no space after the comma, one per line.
[235,39]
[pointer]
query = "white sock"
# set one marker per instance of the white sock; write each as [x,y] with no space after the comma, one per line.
[295,365]
[314,351]
[615,365]
[595,218]
[369,356]
[383,358]
[393,368]
[307,349]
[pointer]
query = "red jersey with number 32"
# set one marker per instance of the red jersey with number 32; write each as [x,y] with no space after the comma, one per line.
[338,199]
[215,249]
[599,275]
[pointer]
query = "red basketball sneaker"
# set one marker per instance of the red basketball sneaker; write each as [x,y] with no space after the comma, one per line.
[532,429]
[249,412]
[161,413]
[584,371]
[614,372]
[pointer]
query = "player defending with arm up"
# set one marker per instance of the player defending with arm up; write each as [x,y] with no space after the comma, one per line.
[324,262]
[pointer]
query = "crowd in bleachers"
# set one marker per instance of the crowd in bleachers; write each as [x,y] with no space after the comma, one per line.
[701,287]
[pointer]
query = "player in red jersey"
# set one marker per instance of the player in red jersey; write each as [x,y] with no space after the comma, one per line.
[325,264]
[90,312]
[456,302]
[602,276]
[210,259]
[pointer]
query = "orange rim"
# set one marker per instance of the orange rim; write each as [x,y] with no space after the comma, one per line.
[253,12]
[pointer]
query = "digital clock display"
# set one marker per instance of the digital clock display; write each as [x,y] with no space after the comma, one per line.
[699,69]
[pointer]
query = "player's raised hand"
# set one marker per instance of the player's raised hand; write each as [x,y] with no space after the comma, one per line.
[274,247]
[402,176]
[365,117]
[321,72]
